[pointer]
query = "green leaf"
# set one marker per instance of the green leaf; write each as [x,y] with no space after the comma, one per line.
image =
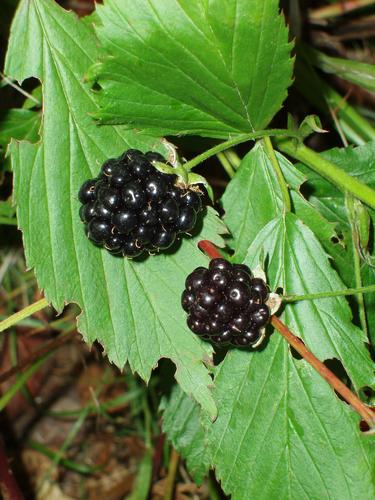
[19,124]
[181,422]
[329,202]
[131,307]
[282,433]
[357,72]
[298,264]
[253,197]
[180,67]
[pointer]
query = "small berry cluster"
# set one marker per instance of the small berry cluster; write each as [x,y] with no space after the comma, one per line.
[132,207]
[225,303]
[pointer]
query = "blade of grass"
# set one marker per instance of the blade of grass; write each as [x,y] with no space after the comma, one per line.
[24,313]
[65,462]
[24,377]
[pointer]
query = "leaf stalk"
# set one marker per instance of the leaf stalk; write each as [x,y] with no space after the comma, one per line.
[328,170]
[275,164]
[235,141]
[324,295]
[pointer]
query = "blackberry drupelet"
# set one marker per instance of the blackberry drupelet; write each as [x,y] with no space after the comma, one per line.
[226,304]
[131,207]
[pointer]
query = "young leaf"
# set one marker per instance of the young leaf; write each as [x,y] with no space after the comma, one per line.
[131,307]
[181,67]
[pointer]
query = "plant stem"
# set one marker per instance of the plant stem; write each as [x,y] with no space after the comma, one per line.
[24,313]
[234,142]
[233,158]
[172,469]
[209,249]
[349,201]
[275,164]
[321,368]
[226,164]
[8,221]
[324,295]
[212,252]
[328,170]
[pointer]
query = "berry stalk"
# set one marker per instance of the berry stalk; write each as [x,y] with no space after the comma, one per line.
[211,251]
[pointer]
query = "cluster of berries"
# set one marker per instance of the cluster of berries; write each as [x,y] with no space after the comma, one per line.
[225,303]
[131,207]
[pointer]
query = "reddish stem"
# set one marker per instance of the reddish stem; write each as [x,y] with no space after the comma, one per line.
[321,368]
[8,486]
[211,251]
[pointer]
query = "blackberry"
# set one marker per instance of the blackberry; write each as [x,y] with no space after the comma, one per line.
[87,191]
[131,207]
[226,304]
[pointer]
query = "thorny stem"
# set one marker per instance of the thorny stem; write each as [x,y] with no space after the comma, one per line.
[24,313]
[324,295]
[211,251]
[233,142]
[275,164]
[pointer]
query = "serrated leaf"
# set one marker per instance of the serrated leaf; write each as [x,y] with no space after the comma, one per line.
[253,197]
[206,68]
[131,307]
[299,265]
[181,422]
[330,203]
[282,433]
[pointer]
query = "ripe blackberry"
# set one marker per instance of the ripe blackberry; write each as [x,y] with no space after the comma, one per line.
[226,304]
[131,207]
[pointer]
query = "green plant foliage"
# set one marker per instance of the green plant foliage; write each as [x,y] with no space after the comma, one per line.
[357,72]
[255,175]
[207,68]
[19,124]
[281,430]
[181,422]
[282,433]
[130,307]
[329,202]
